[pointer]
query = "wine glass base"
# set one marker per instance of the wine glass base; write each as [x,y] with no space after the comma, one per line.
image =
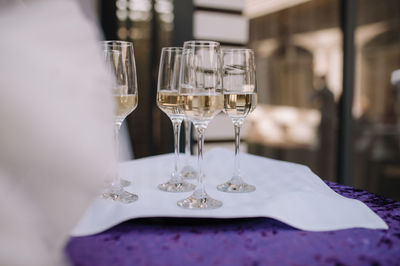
[205,202]
[188,172]
[125,183]
[176,187]
[231,187]
[122,196]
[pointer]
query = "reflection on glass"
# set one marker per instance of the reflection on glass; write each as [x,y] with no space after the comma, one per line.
[377,100]
[299,54]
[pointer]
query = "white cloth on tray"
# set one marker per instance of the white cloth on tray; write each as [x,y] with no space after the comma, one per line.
[288,192]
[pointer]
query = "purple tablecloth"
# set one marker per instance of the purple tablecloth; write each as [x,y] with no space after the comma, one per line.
[255,241]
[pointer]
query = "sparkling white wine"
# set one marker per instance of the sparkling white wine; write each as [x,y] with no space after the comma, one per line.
[202,107]
[124,105]
[169,103]
[239,105]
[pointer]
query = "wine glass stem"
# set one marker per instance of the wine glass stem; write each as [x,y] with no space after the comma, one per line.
[236,172]
[200,144]
[117,180]
[177,129]
[187,140]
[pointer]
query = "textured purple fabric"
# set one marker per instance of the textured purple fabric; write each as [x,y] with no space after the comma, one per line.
[255,241]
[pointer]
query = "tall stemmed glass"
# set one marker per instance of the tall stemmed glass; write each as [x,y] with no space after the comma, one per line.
[240,99]
[188,171]
[120,62]
[168,102]
[202,98]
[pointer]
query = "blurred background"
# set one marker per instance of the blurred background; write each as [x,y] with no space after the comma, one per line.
[324,70]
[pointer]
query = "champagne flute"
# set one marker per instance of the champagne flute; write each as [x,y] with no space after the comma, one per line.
[168,102]
[201,99]
[188,171]
[120,61]
[240,99]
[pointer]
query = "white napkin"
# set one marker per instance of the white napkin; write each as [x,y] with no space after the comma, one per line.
[288,192]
